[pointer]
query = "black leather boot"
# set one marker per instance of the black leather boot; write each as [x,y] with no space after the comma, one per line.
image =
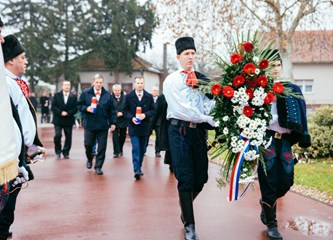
[186,205]
[271,223]
[194,194]
[262,213]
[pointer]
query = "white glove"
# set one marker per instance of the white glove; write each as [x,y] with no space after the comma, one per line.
[23,176]
[209,119]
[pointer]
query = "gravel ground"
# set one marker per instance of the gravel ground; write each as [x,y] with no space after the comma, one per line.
[314,194]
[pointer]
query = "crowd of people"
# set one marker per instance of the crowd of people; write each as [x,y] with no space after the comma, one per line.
[179,117]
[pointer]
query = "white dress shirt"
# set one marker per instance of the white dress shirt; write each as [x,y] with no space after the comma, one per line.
[274,122]
[27,120]
[184,102]
[66,94]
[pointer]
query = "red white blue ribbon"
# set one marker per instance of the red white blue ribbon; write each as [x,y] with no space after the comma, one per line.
[236,171]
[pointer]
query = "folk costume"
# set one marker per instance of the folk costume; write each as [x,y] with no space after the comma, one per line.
[187,113]
[287,127]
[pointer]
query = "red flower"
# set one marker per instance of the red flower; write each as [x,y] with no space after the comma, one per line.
[235,58]
[270,97]
[263,64]
[249,68]
[252,83]
[216,89]
[228,92]
[278,88]
[262,81]
[249,92]
[248,46]
[248,111]
[238,80]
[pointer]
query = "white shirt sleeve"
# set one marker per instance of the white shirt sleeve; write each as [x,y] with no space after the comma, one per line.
[180,99]
[26,118]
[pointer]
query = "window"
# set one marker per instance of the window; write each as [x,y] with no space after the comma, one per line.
[306,85]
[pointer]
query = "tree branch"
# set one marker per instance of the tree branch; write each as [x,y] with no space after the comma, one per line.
[260,19]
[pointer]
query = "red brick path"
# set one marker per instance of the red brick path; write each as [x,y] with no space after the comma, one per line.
[67,201]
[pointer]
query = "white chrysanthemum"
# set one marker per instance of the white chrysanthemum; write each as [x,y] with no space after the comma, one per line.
[257,71]
[234,150]
[251,155]
[225,118]
[234,139]
[225,131]
[246,131]
[255,59]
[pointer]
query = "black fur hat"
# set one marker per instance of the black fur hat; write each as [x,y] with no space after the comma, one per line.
[11,48]
[272,54]
[184,43]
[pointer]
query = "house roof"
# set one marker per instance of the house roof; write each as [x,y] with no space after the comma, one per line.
[310,46]
[313,47]
[92,61]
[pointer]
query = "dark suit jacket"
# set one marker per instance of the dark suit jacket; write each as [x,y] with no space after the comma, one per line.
[147,105]
[58,105]
[122,122]
[105,114]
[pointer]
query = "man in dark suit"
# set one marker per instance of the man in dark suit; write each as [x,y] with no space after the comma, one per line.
[157,123]
[97,119]
[64,109]
[119,134]
[139,108]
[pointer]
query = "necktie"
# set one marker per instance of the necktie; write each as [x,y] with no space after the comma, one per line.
[98,95]
[24,87]
[191,79]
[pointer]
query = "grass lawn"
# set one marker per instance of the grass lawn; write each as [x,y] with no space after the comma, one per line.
[318,175]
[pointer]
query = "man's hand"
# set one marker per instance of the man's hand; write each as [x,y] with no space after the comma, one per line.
[113,127]
[120,114]
[141,116]
[64,114]
[90,109]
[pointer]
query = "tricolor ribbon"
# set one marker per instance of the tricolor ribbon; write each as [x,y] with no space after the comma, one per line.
[236,171]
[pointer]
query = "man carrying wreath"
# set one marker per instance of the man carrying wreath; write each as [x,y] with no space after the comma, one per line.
[188,110]
[287,127]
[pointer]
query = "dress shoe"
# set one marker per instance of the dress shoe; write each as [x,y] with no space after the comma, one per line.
[137,176]
[121,154]
[89,164]
[157,154]
[99,171]
[58,156]
[66,156]
[115,155]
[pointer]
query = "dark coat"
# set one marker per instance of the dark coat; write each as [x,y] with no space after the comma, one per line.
[147,105]
[58,106]
[122,122]
[45,104]
[160,121]
[292,115]
[105,114]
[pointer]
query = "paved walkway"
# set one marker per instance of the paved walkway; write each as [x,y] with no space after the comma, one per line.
[68,201]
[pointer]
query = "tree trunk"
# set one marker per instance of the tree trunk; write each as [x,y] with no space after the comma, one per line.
[116,77]
[287,65]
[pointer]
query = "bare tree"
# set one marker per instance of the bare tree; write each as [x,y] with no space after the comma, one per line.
[213,22]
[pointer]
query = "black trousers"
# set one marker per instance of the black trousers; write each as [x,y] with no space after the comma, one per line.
[188,149]
[90,137]
[7,214]
[68,139]
[280,171]
[118,139]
